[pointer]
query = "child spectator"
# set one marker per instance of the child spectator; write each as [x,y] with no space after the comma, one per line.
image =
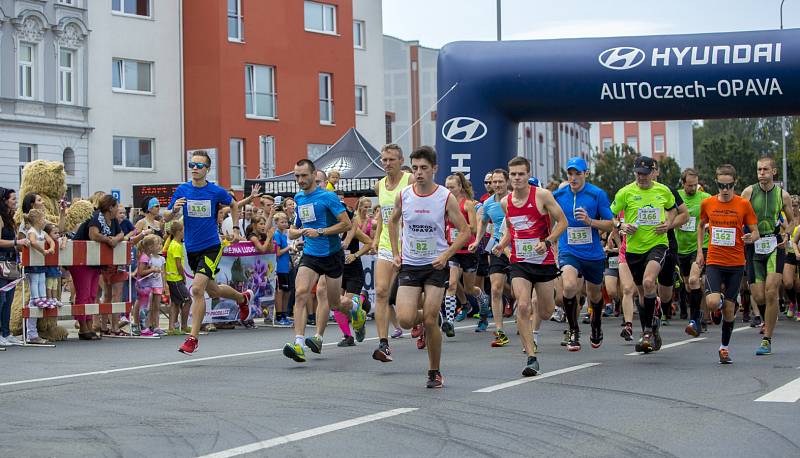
[180,299]
[53,274]
[41,242]
[282,267]
[149,285]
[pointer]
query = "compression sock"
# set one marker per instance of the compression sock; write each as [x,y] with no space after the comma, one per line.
[570,309]
[342,321]
[727,330]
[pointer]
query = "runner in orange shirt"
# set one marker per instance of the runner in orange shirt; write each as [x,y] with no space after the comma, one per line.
[726,214]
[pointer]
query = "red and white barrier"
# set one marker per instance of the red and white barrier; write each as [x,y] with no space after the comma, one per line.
[70,311]
[80,253]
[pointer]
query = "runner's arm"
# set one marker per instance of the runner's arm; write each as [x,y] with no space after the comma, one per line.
[394,220]
[341,227]
[681,217]
[469,206]
[481,232]
[460,223]
[378,228]
[555,212]
[506,239]
[789,211]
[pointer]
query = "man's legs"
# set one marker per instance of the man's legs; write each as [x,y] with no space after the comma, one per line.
[569,279]
[385,273]
[694,286]
[772,290]
[522,290]
[498,281]
[306,278]
[430,317]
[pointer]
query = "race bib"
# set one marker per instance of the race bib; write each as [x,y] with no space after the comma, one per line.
[386,213]
[579,235]
[766,245]
[198,208]
[525,250]
[613,263]
[690,225]
[424,247]
[307,213]
[453,234]
[723,236]
[649,216]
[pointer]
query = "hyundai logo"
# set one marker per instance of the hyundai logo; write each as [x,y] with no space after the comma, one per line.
[621,58]
[463,130]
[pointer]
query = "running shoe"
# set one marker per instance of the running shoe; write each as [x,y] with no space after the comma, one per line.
[587,318]
[574,343]
[500,339]
[765,348]
[416,331]
[756,322]
[565,338]
[448,329]
[244,306]
[716,316]
[159,331]
[790,312]
[13,340]
[609,310]
[627,332]
[645,343]
[531,367]
[135,330]
[692,329]
[347,341]
[398,333]
[462,315]
[596,338]
[421,340]
[435,380]
[357,314]
[361,333]
[508,308]
[283,323]
[558,315]
[147,332]
[724,356]
[189,346]
[314,344]
[294,352]
[383,353]
[483,324]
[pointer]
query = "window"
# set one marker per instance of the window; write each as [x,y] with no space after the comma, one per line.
[235,21]
[67,2]
[73,190]
[267,154]
[325,98]
[27,153]
[133,153]
[358,35]
[607,142]
[633,142]
[361,100]
[320,17]
[69,161]
[66,66]
[27,70]
[259,89]
[658,143]
[237,162]
[388,122]
[315,150]
[131,7]
[132,75]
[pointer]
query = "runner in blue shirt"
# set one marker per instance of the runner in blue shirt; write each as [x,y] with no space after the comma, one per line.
[321,217]
[198,201]
[580,250]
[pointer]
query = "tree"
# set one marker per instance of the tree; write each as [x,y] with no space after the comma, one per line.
[669,172]
[725,150]
[613,168]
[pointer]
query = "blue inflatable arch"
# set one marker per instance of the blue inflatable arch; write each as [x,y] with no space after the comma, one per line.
[495,85]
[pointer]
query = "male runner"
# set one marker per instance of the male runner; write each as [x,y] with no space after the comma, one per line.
[726,214]
[321,217]
[199,200]
[686,236]
[423,256]
[649,209]
[765,257]
[529,213]
[666,278]
[387,190]
[580,250]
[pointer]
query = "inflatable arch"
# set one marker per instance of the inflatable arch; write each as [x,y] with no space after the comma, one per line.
[495,85]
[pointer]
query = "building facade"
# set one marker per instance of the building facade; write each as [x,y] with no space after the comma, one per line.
[549,145]
[44,53]
[267,82]
[651,138]
[136,87]
[368,56]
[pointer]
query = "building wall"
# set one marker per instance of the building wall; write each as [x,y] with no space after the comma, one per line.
[549,146]
[397,87]
[274,35]
[369,71]
[156,39]
[51,126]
[678,137]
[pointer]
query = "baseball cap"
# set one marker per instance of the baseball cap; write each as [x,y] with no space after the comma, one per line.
[577,163]
[533,181]
[644,164]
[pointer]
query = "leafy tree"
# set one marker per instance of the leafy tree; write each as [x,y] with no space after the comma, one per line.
[669,172]
[613,168]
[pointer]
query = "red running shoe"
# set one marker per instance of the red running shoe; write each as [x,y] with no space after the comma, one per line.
[416,331]
[421,340]
[189,346]
[244,306]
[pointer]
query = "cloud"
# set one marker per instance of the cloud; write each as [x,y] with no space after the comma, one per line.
[592,28]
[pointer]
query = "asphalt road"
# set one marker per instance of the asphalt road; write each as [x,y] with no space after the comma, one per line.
[240,395]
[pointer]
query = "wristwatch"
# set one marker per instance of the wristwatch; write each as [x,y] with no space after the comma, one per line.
[547,243]
[321,231]
[618,225]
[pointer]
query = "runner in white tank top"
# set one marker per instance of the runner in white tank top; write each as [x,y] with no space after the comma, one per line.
[423,207]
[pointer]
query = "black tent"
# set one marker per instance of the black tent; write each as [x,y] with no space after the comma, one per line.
[358,163]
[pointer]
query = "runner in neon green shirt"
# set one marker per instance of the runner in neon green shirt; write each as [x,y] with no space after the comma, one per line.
[692,274]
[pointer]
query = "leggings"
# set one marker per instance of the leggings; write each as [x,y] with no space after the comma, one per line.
[342,321]
[86,279]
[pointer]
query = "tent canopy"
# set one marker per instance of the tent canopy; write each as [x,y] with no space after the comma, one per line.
[352,156]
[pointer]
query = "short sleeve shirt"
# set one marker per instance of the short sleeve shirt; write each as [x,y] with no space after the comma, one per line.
[493,211]
[282,241]
[646,208]
[200,214]
[579,239]
[317,210]
[725,221]
[174,256]
[687,234]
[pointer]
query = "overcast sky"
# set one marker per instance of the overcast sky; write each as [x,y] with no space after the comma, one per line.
[437,22]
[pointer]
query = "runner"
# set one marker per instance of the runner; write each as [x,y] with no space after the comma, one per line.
[199,201]
[387,190]
[353,275]
[791,274]
[529,214]
[321,217]
[424,253]
[649,209]
[668,274]
[580,251]
[765,257]
[726,214]
[690,271]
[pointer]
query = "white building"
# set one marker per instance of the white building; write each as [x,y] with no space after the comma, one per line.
[43,88]
[650,138]
[135,72]
[549,145]
[368,54]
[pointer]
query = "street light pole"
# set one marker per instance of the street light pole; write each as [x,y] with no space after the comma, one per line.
[783,125]
[500,25]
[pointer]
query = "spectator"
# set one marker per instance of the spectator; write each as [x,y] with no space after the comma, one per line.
[333,180]
[282,268]
[42,242]
[151,208]
[180,298]
[8,260]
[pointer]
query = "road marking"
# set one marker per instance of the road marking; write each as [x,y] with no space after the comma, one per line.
[787,393]
[294,437]
[742,328]
[501,386]
[674,344]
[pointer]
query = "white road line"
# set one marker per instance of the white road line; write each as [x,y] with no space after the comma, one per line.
[787,393]
[294,437]
[742,328]
[501,386]
[674,344]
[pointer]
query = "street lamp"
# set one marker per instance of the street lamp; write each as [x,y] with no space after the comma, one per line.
[500,25]
[783,125]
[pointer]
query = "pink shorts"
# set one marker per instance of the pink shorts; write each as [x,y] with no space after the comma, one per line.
[144,293]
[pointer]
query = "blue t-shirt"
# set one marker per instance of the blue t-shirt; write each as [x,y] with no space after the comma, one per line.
[492,210]
[282,264]
[316,210]
[595,202]
[200,214]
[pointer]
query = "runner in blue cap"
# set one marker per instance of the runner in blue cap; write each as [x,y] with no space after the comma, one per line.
[579,248]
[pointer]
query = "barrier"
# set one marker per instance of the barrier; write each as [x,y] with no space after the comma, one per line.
[76,253]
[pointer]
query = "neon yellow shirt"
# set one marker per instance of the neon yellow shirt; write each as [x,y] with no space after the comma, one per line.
[174,256]
[646,209]
[386,200]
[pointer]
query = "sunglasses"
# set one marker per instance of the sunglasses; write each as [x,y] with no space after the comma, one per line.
[197,165]
[724,186]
